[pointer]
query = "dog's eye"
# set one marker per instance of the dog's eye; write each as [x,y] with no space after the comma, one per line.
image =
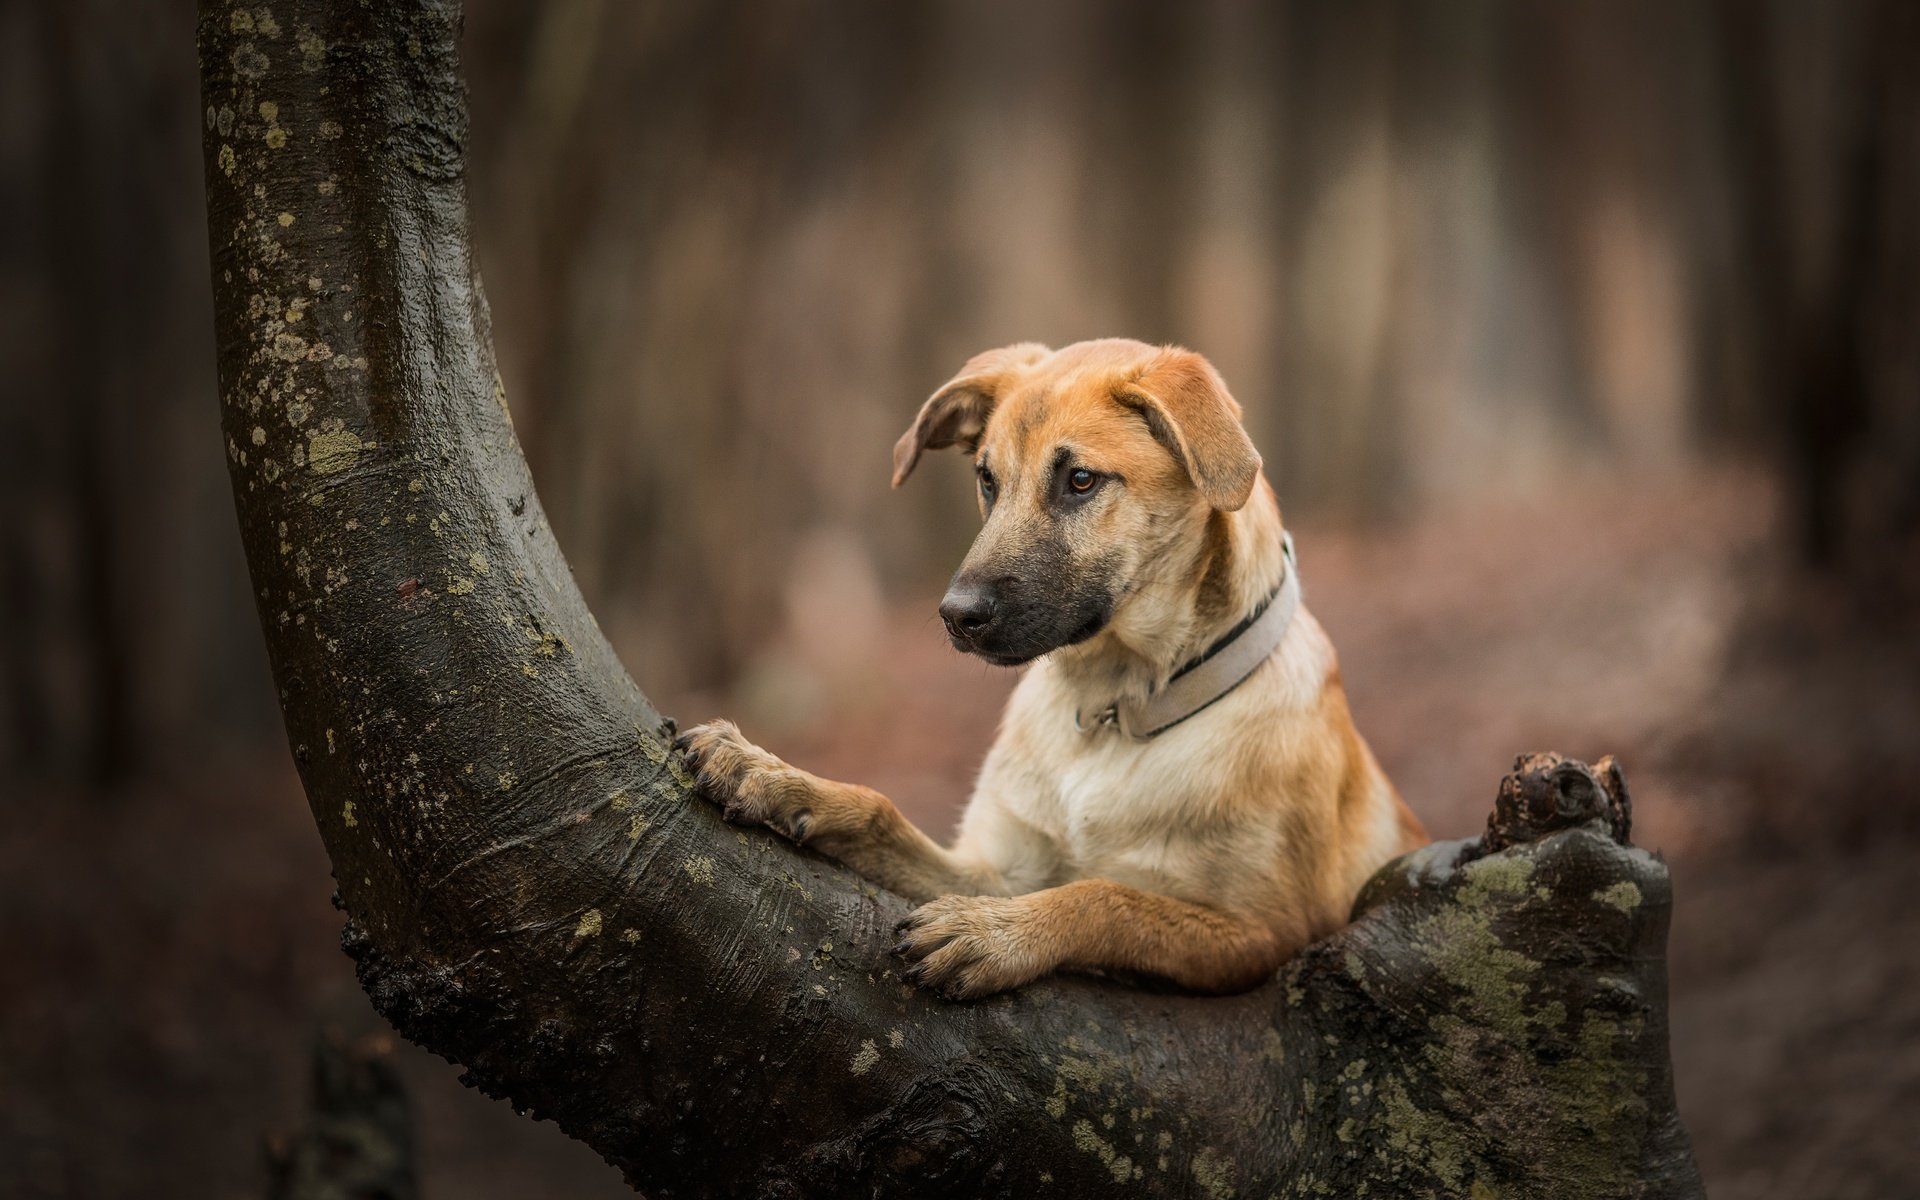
[1081,480]
[986,483]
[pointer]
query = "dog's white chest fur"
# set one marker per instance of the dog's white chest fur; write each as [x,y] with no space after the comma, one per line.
[1160,814]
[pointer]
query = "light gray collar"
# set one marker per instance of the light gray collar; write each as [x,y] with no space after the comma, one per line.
[1225,666]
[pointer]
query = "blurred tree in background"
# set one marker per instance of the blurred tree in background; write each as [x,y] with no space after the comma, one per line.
[1437,250]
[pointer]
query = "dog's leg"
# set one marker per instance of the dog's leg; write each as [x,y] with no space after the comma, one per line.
[854,824]
[972,945]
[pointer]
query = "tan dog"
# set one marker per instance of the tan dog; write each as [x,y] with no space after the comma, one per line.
[1200,825]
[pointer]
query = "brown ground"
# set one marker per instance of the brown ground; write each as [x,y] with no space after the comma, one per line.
[169,950]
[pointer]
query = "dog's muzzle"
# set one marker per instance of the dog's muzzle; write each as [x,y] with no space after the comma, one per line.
[1006,624]
[969,611]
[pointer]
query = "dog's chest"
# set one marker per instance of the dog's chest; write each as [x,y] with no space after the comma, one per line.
[1177,813]
[1122,810]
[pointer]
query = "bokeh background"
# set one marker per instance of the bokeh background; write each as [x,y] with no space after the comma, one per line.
[1582,340]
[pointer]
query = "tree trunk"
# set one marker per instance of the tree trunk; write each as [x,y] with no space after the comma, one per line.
[532,892]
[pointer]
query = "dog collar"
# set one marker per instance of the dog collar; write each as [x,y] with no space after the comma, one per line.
[1223,667]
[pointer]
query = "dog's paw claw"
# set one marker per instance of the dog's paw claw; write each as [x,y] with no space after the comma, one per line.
[750,786]
[962,947]
[722,761]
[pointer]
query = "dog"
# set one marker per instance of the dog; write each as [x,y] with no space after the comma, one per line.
[1177,789]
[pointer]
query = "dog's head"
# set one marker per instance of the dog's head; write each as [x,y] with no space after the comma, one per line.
[1095,463]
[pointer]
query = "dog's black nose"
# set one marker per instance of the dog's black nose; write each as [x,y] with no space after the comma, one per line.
[968,610]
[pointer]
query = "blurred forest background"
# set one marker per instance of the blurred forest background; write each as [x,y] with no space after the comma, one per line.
[1582,340]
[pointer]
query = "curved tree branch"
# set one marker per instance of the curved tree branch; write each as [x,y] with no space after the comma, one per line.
[531,891]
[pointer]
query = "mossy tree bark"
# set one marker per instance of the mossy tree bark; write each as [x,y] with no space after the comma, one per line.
[532,892]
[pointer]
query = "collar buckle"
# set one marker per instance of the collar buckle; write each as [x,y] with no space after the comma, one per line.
[1106,718]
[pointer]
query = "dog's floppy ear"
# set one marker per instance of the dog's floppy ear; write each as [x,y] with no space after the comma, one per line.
[1187,406]
[957,413]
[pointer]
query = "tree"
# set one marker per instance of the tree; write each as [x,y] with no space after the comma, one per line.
[1828,253]
[532,891]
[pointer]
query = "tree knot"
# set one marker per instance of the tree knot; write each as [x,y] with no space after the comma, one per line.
[1546,792]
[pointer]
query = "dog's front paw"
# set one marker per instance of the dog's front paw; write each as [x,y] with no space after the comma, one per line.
[751,786]
[967,946]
